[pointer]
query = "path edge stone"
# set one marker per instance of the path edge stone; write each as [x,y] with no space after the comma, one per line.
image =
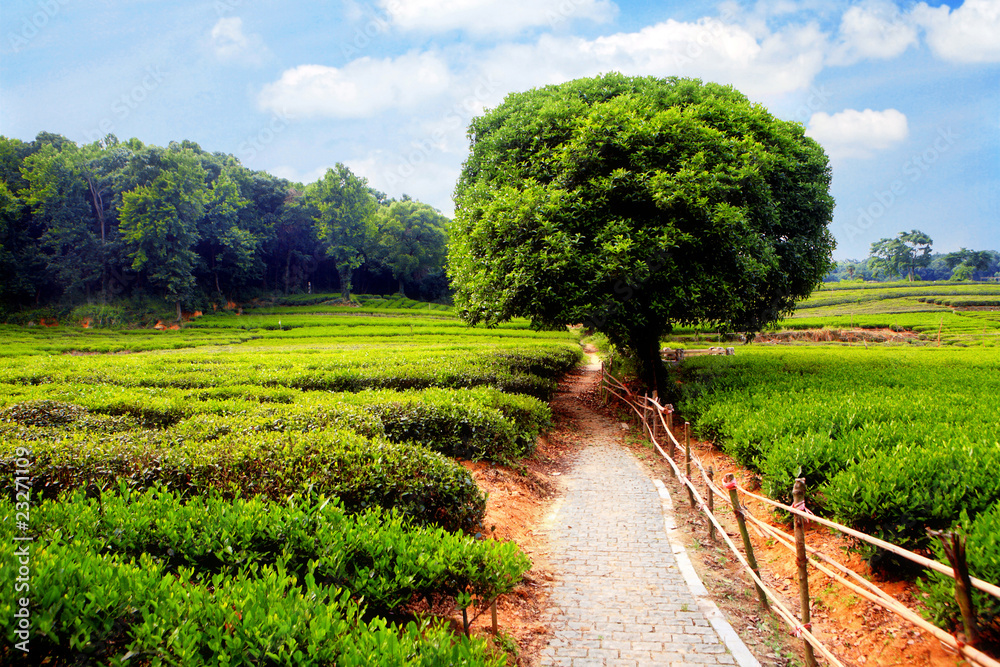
[735,645]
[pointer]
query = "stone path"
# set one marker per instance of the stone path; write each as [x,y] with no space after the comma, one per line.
[620,597]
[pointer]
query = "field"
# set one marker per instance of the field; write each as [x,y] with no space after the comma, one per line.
[965,314]
[892,438]
[272,487]
[961,314]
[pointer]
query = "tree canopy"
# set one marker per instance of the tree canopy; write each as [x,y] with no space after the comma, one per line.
[117,220]
[901,256]
[636,204]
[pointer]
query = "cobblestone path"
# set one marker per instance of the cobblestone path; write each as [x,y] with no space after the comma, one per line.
[619,597]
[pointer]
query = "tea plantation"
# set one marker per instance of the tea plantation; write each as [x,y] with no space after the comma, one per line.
[892,438]
[274,487]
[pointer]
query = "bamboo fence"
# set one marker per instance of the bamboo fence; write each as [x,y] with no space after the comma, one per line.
[654,419]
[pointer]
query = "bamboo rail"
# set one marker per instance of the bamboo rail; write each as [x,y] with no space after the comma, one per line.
[641,404]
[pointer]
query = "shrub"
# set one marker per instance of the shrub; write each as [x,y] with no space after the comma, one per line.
[983,558]
[421,484]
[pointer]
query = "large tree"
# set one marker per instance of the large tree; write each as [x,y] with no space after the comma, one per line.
[900,256]
[637,204]
[345,220]
[410,240]
[159,223]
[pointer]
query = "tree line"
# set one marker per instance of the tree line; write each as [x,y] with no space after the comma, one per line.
[908,256]
[118,220]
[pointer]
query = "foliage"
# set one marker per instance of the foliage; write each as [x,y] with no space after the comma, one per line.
[890,440]
[378,556]
[88,605]
[901,255]
[634,204]
[360,471]
[411,239]
[109,221]
[345,220]
[983,558]
[212,510]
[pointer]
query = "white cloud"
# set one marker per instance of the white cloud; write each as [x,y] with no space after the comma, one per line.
[364,87]
[485,17]
[230,43]
[874,30]
[713,50]
[427,174]
[968,34]
[853,133]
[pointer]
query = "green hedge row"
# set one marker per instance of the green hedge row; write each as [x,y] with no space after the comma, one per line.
[532,373]
[481,423]
[362,472]
[890,441]
[88,607]
[376,555]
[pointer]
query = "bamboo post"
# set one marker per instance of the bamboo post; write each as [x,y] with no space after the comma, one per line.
[730,483]
[687,459]
[493,615]
[711,503]
[670,441]
[954,549]
[799,500]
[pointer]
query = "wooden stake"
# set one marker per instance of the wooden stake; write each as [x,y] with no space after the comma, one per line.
[687,459]
[954,549]
[465,621]
[493,614]
[671,447]
[798,500]
[711,503]
[747,546]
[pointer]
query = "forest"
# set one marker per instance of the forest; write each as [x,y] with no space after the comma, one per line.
[910,256]
[138,227]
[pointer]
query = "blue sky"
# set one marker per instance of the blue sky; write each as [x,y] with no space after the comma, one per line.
[904,97]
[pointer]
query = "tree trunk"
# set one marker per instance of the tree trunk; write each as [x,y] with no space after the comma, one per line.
[345,282]
[178,311]
[288,270]
[401,287]
[652,372]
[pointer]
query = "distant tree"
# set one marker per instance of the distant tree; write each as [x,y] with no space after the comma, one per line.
[58,200]
[229,250]
[159,223]
[344,218]
[22,264]
[900,256]
[965,263]
[635,204]
[411,239]
[295,246]
[919,246]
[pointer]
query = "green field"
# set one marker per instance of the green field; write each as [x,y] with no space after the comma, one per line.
[961,314]
[276,486]
[892,438]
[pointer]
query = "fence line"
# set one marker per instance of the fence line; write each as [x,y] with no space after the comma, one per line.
[642,405]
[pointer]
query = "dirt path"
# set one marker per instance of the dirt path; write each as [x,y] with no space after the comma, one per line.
[619,596]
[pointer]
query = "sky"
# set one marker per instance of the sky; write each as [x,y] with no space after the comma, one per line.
[905,98]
